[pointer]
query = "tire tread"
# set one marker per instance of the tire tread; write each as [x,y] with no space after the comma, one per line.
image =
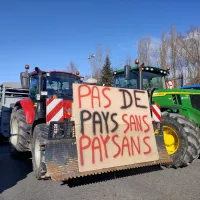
[191,133]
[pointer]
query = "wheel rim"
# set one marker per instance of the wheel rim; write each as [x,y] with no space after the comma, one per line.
[37,153]
[171,140]
[14,132]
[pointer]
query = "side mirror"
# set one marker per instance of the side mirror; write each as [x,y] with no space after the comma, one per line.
[127,69]
[25,80]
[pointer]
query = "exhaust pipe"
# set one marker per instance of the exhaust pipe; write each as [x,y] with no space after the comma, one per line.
[41,108]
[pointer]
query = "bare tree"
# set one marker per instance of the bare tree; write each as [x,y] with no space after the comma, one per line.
[192,45]
[173,51]
[129,61]
[155,53]
[96,61]
[181,64]
[189,50]
[181,52]
[159,55]
[72,67]
[144,45]
[163,50]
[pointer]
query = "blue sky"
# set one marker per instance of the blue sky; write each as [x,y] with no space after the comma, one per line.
[50,33]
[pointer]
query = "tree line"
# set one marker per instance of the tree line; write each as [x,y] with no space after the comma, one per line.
[180,51]
[100,66]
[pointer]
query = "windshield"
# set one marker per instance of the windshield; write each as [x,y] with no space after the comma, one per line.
[149,80]
[59,84]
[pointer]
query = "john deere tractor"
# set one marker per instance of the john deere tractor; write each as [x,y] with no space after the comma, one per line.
[180,110]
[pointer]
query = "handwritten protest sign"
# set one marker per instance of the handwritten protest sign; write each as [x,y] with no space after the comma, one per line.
[113,127]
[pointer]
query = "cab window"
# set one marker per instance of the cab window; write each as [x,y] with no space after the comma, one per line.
[33,87]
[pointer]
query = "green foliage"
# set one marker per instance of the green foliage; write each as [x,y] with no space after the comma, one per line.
[106,73]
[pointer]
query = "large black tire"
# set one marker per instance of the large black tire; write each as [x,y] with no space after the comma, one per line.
[188,136]
[39,140]
[19,130]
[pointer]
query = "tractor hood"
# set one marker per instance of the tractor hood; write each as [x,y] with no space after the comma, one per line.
[163,92]
[58,109]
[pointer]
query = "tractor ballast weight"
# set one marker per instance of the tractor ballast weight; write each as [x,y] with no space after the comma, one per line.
[48,122]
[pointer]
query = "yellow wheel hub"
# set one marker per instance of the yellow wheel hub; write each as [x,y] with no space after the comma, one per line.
[171,140]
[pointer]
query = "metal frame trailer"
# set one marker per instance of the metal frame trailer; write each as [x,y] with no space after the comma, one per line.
[10,93]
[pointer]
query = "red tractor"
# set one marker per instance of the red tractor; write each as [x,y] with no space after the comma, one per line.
[43,115]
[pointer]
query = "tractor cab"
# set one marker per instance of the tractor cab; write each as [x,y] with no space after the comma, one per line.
[56,84]
[147,78]
[52,84]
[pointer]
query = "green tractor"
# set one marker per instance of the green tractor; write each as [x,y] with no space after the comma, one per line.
[180,110]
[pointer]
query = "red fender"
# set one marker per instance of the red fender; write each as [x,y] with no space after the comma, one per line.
[29,110]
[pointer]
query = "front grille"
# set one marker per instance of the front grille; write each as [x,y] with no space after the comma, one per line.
[61,130]
[195,101]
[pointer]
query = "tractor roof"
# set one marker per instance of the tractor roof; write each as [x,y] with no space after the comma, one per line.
[146,68]
[44,71]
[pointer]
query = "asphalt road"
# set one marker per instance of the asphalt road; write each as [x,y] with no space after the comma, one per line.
[17,182]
